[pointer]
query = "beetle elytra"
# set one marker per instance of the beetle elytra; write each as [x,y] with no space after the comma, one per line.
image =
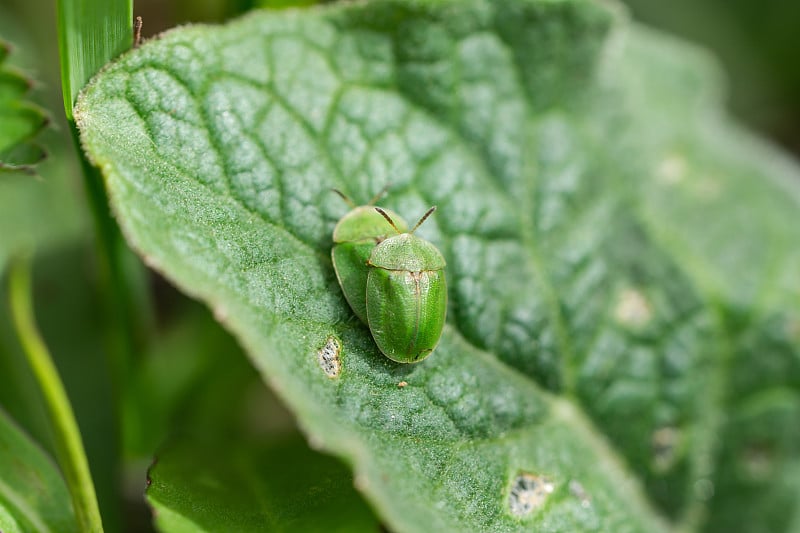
[406,294]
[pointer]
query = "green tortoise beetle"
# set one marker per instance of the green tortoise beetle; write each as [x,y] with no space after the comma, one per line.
[354,237]
[406,295]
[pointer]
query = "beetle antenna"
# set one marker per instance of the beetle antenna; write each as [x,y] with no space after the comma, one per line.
[388,218]
[380,194]
[428,213]
[344,197]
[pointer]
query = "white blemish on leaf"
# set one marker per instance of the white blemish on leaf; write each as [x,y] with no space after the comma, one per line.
[672,169]
[528,493]
[632,309]
[328,357]
[577,490]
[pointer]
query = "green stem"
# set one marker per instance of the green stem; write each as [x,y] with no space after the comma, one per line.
[116,282]
[67,439]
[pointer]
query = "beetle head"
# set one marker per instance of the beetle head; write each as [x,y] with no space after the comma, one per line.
[418,224]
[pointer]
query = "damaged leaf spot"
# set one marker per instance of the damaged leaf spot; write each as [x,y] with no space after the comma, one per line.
[633,310]
[328,357]
[528,493]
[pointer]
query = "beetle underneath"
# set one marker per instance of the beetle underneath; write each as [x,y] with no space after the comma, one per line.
[354,237]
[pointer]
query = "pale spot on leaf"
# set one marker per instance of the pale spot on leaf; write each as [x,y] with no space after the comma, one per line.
[528,493]
[633,310]
[672,169]
[328,357]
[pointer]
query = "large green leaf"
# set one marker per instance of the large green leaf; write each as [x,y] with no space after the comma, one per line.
[622,344]
[33,495]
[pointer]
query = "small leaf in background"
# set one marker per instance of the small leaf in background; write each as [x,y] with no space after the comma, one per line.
[245,486]
[194,377]
[47,213]
[33,495]
[20,120]
[621,350]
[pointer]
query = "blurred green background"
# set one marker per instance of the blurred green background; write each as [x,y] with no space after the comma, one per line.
[758,44]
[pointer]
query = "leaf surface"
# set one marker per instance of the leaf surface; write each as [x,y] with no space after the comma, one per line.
[611,242]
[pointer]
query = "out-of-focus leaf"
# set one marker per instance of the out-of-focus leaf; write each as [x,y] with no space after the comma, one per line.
[194,376]
[20,121]
[249,486]
[33,495]
[72,324]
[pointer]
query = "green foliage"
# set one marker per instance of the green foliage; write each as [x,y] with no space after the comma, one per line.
[39,213]
[66,438]
[33,496]
[621,352]
[90,33]
[20,120]
[278,486]
[755,42]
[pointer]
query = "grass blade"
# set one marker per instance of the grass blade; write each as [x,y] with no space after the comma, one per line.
[90,34]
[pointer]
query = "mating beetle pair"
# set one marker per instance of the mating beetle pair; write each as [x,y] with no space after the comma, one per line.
[392,279]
